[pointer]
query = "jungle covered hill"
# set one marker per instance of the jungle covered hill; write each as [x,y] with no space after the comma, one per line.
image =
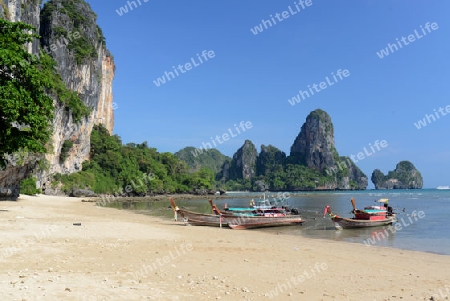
[132,169]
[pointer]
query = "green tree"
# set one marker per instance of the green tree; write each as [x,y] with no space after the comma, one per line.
[28,186]
[26,111]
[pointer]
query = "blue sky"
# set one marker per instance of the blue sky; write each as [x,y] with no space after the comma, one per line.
[251,77]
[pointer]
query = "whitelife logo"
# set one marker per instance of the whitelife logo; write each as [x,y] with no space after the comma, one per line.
[187,66]
[411,38]
[319,87]
[281,17]
[225,137]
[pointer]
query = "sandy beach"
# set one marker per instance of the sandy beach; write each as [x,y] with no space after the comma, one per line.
[60,248]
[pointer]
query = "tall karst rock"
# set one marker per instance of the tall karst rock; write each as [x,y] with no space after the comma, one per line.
[70,34]
[314,147]
[269,160]
[243,164]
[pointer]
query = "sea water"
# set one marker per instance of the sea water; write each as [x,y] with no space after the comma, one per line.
[423,216]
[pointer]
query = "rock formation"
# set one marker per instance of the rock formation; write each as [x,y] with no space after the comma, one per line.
[405,176]
[196,158]
[313,164]
[90,76]
[243,164]
[269,159]
[314,147]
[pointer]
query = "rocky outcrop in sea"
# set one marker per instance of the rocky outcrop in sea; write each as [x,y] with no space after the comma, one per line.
[405,176]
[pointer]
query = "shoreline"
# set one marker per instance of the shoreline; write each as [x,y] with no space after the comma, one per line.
[186,196]
[120,255]
[232,195]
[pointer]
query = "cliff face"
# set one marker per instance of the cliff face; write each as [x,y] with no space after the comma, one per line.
[68,30]
[405,176]
[270,159]
[27,11]
[20,166]
[90,75]
[349,175]
[243,164]
[314,145]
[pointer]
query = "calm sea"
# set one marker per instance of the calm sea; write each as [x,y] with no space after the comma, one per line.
[423,216]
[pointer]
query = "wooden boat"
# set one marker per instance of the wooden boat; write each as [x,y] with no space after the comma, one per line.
[373,216]
[261,207]
[252,222]
[348,223]
[199,219]
[262,220]
[270,212]
[233,221]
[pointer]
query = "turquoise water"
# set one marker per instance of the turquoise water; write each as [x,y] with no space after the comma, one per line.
[422,225]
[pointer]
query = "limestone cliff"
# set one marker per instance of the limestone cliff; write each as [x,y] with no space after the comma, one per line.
[243,164]
[314,147]
[405,176]
[269,160]
[69,34]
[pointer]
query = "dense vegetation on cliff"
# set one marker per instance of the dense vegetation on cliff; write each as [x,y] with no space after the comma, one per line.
[133,169]
[82,45]
[210,158]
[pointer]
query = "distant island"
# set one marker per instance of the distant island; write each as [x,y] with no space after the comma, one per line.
[405,176]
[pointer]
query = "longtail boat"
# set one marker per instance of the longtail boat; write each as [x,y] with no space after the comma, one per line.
[260,220]
[371,216]
[269,212]
[252,222]
[198,219]
[233,221]
[261,207]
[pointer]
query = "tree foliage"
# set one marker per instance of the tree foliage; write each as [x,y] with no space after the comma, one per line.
[67,145]
[28,186]
[26,111]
